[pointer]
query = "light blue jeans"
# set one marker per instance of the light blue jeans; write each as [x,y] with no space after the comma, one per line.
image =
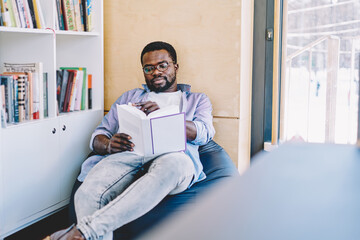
[112,194]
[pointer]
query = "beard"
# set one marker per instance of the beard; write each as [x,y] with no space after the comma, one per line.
[167,85]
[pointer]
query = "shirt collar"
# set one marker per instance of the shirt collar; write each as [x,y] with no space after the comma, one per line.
[180,86]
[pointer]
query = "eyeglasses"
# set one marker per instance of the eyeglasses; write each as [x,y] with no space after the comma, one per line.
[149,69]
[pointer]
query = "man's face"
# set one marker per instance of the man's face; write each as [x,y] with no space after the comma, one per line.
[160,80]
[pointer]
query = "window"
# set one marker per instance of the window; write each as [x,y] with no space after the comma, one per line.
[320,70]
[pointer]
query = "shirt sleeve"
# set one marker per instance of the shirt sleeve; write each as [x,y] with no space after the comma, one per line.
[203,121]
[110,124]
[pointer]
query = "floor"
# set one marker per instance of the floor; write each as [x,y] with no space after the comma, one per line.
[43,228]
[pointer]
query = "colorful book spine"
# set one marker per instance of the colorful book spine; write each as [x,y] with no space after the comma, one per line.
[66,107]
[29,22]
[45,94]
[90,91]
[20,8]
[69,15]
[5,13]
[21,97]
[2,107]
[77,15]
[11,13]
[32,13]
[90,15]
[64,82]
[7,81]
[1,19]
[16,13]
[15,99]
[60,15]
[72,92]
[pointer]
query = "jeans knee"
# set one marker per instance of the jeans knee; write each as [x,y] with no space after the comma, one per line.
[85,196]
[175,165]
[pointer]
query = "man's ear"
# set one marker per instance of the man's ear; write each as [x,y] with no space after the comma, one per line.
[176,66]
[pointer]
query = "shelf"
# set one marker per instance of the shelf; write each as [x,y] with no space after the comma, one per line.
[25,30]
[46,31]
[75,33]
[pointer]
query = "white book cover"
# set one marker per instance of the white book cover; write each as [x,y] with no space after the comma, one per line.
[159,132]
[78,93]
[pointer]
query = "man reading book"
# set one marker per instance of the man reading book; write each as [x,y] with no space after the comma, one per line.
[112,193]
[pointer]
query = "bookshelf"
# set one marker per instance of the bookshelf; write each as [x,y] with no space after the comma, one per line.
[40,159]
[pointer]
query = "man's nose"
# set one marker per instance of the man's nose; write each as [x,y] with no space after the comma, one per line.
[156,72]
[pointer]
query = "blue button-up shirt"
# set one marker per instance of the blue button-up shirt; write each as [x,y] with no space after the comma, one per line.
[197,108]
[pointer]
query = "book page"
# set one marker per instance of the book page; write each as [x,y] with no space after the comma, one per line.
[132,109]
[168,133]
[131,124]
[172,109]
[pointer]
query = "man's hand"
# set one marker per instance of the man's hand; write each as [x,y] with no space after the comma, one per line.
[147,107]
[119,142]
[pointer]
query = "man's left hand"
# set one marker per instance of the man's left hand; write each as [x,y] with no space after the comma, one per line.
[147,107]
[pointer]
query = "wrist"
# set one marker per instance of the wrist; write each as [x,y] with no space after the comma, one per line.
[106,148]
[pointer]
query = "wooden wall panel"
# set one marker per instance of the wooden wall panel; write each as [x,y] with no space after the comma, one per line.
[207,35]
[227,136]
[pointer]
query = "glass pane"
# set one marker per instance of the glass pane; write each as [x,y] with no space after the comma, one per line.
[320,77]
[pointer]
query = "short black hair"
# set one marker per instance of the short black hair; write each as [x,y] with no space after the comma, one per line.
[158,45]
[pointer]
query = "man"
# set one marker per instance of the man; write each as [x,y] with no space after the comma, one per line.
[112,194]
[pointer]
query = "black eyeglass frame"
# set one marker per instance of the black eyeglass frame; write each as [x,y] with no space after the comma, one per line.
[157,67]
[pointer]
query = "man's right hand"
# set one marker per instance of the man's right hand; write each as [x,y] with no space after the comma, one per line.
[119,142]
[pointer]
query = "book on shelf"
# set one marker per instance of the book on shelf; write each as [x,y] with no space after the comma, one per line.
[69,87]
[36,72]
[28,18]
[74,15]
[1,21]
[89,91]
[72,89]
[21,13]
[12,14]
[15,98]
[22,95]
[15,13]
[3,115]
[32,13]
[78,92]
[82,14]
[39,16]
[77,16]
[90,15]
[59,15]
[46,95]
[5,13]
[159,132]
[7,82]
[68,14]
[21,10]
[64,80]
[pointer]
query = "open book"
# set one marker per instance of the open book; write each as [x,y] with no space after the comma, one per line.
[159,132]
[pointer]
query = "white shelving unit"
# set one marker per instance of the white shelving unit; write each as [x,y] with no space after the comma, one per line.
[40,159]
